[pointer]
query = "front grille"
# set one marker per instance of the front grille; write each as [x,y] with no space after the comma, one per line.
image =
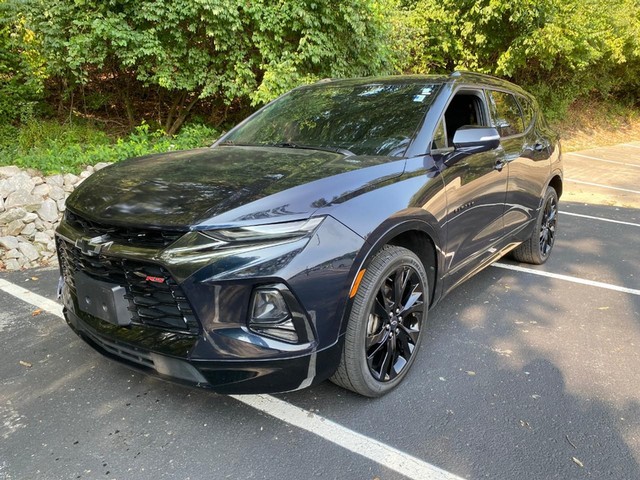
[155,299]
[124,235]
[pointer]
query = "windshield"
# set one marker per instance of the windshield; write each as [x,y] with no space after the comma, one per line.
[373,119]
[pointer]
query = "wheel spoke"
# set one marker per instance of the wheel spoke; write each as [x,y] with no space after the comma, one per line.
[409,333]
[407,343]
[401,277]
[379,309]
[377,338]
[409,306]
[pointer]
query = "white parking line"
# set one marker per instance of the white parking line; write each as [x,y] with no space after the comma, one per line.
[602,159]
[355,442]
[563,212]
[567,278]
[601,186]
[385,455]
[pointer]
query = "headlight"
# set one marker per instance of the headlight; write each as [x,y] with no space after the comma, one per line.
[270,231]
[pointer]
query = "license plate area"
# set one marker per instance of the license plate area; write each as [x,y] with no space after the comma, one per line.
[102,299]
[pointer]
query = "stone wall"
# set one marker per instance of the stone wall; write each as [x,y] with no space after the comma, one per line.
[31,205]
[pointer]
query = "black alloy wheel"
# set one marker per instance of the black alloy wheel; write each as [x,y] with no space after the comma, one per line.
[394,323]
[537,248]
[548,226]
[385,325]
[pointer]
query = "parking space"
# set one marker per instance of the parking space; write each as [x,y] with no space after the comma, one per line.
[520,376]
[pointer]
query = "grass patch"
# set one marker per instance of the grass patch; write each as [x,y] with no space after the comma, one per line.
[52,147]
[592,123]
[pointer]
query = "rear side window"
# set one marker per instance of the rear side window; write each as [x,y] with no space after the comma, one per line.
[506,116]
[527,111]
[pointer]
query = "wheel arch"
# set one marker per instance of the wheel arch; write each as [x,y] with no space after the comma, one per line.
[418,234]
[556,184]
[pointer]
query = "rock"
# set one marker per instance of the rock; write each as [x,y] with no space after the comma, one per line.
[29,230]
[62,205]
[2,209]
[48,211]
[55,181]
[37,180]
[40,237]
[56,193]
[51,246]
[9,243]
[4,189]
[70,179]
[11,215]
[29,217]
[85,174]
[14,228]
[10,171]
[22,198]
[100,166]
[29,251]
[12,265]
[13,253]
[42,189]
[21,181]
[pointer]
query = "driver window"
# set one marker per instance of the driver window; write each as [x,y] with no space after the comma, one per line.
[464,109]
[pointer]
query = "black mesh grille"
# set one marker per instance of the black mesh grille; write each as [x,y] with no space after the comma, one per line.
[155,299]
[124,235]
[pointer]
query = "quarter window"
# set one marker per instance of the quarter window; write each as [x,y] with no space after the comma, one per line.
[506,116]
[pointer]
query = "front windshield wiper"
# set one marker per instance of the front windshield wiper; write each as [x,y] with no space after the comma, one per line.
[342,151]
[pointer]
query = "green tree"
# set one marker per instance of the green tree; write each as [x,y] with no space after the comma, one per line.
[21,67]
[175,54]
[560,49]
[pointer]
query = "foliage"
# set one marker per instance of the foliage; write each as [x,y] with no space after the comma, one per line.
[178,53]
[51,147]
[21,68]
[559,49]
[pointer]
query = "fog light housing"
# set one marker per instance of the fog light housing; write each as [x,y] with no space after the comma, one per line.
[275,313]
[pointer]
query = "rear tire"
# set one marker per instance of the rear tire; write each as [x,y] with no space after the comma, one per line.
[384,329]
[537,248]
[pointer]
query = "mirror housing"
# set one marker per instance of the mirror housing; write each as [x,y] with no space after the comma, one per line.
[482,138]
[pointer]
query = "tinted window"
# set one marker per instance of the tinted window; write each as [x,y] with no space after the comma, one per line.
[505,113]
[373,119]
[527,111]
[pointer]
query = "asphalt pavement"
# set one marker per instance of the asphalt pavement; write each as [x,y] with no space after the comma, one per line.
[530,373]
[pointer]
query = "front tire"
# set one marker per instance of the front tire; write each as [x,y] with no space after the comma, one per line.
[385,325]
[537,248]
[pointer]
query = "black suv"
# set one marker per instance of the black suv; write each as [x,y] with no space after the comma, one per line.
[310,241]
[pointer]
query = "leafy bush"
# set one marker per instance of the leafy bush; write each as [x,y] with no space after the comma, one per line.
[21,66]
[54,148]
[559,49]
[178,53]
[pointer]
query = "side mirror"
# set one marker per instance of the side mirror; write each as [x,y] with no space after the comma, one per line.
[480,138]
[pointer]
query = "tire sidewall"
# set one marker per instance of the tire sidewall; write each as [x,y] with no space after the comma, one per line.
[363,304]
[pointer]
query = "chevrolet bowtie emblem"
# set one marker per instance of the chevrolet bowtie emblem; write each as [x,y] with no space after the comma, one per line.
[93,246]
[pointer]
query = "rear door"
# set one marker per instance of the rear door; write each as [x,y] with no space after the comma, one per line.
[526,155]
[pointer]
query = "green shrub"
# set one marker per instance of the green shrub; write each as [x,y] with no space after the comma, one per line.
[56,148]
[558,49]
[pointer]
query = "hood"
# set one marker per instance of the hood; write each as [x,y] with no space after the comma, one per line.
[227,184]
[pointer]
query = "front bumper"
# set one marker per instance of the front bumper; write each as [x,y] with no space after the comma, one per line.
[227,377]
[204,338]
